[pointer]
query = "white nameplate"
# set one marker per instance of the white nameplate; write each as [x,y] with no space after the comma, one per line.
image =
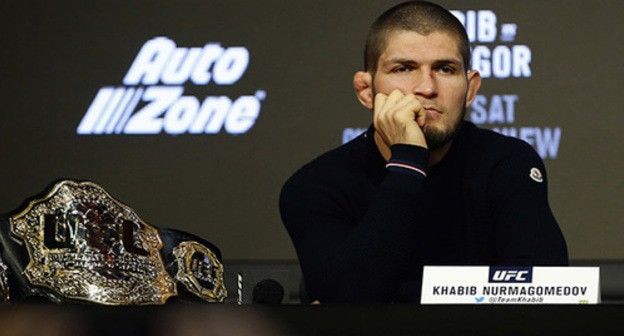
[510,285]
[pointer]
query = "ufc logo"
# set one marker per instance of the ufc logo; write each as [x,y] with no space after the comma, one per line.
[510,275]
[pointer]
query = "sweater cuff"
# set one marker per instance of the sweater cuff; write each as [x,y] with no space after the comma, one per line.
[408,158]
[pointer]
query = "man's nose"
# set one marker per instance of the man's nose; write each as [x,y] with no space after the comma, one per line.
[425,84]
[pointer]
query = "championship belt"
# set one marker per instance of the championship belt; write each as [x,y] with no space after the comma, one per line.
[78,243]
[195,264]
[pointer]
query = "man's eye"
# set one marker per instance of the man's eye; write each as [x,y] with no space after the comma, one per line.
[401,68]
[447,69]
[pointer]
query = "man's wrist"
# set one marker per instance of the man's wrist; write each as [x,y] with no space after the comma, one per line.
[408,158]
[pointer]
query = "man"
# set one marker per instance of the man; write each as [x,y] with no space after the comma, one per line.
[421,186]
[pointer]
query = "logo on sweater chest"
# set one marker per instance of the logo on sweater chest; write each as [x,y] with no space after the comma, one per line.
[536,175]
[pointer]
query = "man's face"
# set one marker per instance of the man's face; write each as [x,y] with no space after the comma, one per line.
[430,67]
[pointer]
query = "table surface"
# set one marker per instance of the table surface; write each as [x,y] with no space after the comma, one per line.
[231,319]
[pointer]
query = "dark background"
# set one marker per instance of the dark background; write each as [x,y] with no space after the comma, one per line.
[56,56]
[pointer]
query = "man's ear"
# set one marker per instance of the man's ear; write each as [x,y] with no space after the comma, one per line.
[474,83]
[363,84]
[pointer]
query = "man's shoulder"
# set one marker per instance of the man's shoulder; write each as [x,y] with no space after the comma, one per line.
[331,180]
[491,154]
[494,144]
[336,164]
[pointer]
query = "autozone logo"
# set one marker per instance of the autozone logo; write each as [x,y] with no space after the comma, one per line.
[152,100]
[516,274]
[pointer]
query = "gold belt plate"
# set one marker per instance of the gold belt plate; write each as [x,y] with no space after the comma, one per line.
[200,271]
[83,244]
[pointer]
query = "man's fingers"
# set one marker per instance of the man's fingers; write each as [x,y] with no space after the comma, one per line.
[407,109]
[409,102]
[394,96]
[398,108]
[388,106]
[398,118]
[380,101]
[421,117]
[414,106]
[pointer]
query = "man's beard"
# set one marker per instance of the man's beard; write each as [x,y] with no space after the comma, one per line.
[437,139]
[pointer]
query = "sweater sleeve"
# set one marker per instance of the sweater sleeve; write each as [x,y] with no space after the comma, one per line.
[343,261]
[526,231]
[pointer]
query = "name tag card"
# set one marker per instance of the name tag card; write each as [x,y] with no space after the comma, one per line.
[510,285]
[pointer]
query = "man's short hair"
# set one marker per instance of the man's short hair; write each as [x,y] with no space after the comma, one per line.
[418,16]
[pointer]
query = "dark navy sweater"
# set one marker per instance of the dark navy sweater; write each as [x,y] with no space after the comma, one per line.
[363,232]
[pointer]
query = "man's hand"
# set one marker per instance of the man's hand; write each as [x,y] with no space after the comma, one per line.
[399,118]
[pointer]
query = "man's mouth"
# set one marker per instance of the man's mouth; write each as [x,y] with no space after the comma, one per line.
[432,112]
